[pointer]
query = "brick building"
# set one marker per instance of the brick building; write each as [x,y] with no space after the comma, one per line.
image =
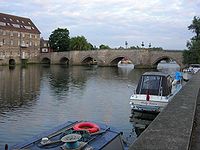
[19,40]
[44,46]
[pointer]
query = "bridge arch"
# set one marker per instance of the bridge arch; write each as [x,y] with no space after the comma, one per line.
[89,60]
[114,61]
[12,62]
[166,58]
[46,60]
[64,61]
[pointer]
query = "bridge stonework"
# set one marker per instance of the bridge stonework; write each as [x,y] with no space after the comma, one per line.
[141,58]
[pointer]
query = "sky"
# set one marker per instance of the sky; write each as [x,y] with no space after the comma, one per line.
[163,23]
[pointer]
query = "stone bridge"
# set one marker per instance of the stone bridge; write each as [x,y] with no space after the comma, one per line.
[140,58]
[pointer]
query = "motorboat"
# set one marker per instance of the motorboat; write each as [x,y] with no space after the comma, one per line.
[154,91]
[188,72]
[194,68]
[125,63]
[75,135]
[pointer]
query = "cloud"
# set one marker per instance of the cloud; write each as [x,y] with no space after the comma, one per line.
[163,22]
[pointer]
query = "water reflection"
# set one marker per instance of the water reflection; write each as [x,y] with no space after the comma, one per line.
[141,121]
[124,71]
[37,98]
[18,86]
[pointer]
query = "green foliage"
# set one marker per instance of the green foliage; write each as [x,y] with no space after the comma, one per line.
[195,26]
[104,46]
[80,43]
[193,53]
[59,40]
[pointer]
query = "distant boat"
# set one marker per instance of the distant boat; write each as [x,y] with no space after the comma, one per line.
[188,72]
[76,135]
[194,67]
[153,93]
[125,63]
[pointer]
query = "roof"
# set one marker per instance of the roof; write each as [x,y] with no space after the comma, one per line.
[156,74]
[16,23]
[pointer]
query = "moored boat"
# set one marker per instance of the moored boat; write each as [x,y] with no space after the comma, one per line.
[194,67]
[76,135]
[153,92]
[125,63]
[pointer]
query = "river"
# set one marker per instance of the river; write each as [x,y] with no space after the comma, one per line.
[37,98]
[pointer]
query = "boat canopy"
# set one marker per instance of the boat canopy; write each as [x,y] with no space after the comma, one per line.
[154,83]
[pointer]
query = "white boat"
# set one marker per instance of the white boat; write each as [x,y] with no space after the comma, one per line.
[153,92]
[188,72]
[125,63]
[194,68]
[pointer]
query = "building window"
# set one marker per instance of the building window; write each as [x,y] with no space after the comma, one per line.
[11,42]
[30,35]
[30,43]
[11,33]
[18,34]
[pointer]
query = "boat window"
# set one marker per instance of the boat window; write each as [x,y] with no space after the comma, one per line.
[151,82]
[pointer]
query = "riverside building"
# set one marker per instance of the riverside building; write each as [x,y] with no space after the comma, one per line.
[19,40]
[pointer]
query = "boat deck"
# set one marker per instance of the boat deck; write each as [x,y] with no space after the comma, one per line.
[99,140]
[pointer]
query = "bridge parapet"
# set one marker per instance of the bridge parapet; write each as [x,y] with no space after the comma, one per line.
[112,57]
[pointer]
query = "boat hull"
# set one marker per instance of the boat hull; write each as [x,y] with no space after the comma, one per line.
[155,104]
[123,65]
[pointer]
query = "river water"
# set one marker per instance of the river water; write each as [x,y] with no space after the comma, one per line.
[37,98]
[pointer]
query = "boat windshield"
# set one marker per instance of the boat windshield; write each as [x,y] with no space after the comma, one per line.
[151,84]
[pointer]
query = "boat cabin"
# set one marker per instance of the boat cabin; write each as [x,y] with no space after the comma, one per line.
[155,83]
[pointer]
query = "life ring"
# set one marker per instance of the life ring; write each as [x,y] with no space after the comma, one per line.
[88,126]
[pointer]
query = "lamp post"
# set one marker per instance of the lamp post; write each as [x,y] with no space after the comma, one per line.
[126,44]
[142,44]
[149,45]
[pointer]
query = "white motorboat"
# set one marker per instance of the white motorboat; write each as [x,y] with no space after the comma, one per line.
[153,92]
[194,68]
[125,63]
[188,72]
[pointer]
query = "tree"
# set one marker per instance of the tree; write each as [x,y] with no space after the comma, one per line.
[192,55]
[195,26]
[59,40]
[80,43]
[104,46]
